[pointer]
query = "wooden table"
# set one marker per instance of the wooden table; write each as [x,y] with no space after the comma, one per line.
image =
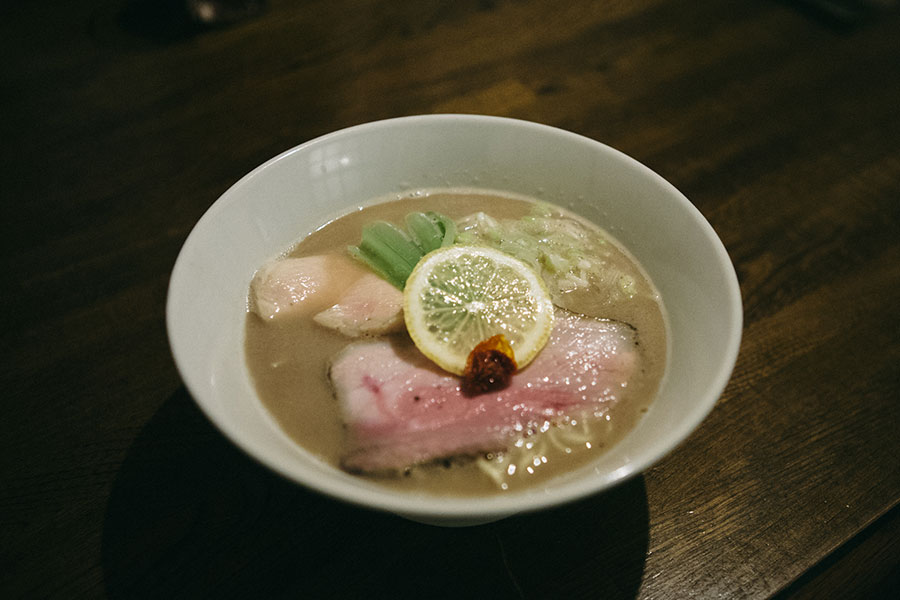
[121,124]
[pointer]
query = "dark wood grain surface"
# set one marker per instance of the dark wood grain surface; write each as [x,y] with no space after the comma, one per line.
[122,122]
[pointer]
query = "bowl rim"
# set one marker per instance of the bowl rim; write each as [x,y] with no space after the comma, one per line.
[478,507]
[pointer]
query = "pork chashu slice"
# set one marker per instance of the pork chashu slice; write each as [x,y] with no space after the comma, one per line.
[401,410]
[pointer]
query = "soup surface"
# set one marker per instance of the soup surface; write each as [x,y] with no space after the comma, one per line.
[289,359]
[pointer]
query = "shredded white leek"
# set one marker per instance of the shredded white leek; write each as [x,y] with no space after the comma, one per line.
[570,256]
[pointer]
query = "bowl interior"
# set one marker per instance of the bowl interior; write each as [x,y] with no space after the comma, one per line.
[294,193]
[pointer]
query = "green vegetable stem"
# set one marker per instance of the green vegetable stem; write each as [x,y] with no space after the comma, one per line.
[393,253]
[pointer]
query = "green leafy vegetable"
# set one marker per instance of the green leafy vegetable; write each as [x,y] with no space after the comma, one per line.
[447,226]
[398,241]
[393,253]
[425,231]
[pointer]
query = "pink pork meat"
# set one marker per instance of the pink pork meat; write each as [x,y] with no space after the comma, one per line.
[401,410]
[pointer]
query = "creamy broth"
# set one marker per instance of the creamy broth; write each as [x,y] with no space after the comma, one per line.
[289,362]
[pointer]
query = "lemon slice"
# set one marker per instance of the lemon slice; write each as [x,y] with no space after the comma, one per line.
[458,296]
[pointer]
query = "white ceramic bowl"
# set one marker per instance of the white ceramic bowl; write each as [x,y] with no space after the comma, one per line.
[292,194]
